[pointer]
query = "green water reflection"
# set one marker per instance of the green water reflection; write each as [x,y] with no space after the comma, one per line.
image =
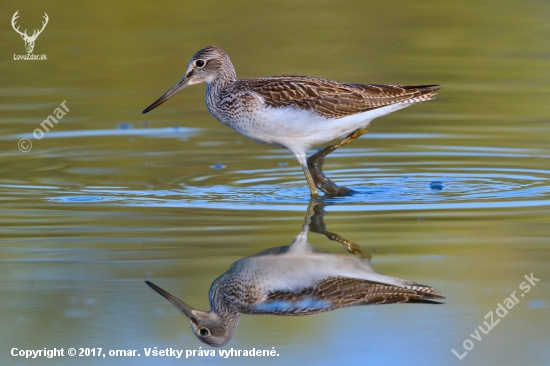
[109,197]
[296,280]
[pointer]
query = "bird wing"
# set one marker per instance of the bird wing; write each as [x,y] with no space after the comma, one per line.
[334,99]
[336,292]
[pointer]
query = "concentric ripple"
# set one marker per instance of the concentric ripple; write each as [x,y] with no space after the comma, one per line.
[430,174]
[377,189]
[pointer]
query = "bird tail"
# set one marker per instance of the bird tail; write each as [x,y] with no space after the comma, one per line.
[423,92]
[424,295]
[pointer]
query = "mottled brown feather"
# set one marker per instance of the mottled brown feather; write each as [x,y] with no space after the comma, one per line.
[341,292]
[332,99]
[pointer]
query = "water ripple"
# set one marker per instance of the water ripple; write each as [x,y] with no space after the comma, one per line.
[376,190]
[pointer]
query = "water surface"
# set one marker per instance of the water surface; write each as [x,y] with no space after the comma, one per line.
[452,193]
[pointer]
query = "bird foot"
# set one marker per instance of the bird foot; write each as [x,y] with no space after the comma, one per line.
[350,246]
[333,190]
[315,166]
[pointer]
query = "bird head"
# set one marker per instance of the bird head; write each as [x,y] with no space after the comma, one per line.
[209,64]
[207,326]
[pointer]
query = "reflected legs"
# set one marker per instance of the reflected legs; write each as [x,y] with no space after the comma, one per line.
[317,225]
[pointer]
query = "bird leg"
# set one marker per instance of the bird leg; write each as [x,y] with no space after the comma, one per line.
[315,165]
[350,246]
[317,225]
[310,182]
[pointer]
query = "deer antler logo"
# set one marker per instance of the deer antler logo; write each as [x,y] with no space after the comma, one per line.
[29,40]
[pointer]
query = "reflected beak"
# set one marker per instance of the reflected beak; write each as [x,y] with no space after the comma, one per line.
[183,307]
[180,85]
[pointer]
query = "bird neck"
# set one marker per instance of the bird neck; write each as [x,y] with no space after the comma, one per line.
[216,89]
[222,299]
[225,74]
[225,317]
[222,80]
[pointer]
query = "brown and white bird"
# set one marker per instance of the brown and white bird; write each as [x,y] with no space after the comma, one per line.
[293,111]
[295,280]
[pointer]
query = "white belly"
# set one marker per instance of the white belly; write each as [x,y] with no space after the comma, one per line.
[298,129]
[298,271]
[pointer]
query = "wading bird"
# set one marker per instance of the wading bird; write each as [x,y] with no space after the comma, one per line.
[296,280]
[293,111]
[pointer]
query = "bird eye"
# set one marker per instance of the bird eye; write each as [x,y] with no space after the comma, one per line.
[200,63]
[203,331]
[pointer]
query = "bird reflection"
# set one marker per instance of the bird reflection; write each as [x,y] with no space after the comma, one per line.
[293,280]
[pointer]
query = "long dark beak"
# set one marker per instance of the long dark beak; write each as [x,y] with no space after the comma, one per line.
[183,307]
[180,85]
